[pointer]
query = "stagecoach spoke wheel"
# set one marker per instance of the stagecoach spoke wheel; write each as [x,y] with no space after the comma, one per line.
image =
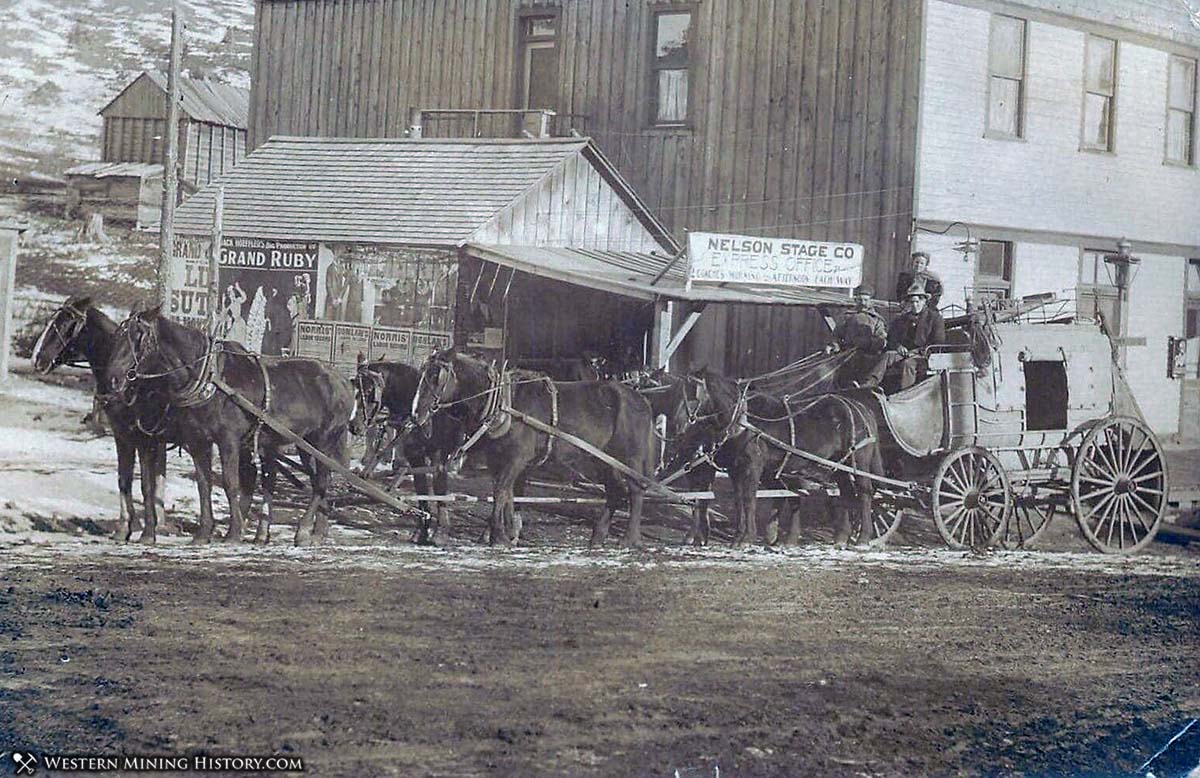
[885,520]
[1119,486]
[972,498]
[1030,516]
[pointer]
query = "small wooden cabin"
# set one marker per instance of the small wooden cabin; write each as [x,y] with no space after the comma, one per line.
[126,185]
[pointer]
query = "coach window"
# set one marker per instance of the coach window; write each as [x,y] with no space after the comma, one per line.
[1181,110]
[1006,78]
[1100,93]
[670,64]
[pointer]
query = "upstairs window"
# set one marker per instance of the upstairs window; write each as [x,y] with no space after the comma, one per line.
[671,62]
[1006,77]
[539,61]
[1100,91]
[1181,110]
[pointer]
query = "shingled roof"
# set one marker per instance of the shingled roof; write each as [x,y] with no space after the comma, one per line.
[430,192]
[202,100]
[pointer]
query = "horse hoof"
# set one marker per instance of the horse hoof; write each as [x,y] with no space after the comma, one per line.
[148,539]
[231,537]
[631,543]
[201,540]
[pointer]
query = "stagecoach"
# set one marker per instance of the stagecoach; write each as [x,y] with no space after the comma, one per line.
[1018,421]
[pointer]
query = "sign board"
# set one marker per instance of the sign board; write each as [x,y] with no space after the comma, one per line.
[340,343]
[394,345]
[266,286]
[189,270]
[742,259]
[314,340]
[349,341]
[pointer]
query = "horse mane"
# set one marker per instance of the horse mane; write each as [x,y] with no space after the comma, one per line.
[724,392]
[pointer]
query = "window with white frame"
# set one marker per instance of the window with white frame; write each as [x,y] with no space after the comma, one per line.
[1006,77]
[1100,93]
[1097,292]
[993,276]
[1181,110]
[670,63]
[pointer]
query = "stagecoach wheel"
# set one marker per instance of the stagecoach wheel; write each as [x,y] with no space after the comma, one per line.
[972,498]
[885,520]
[1119,486]
[1029,519]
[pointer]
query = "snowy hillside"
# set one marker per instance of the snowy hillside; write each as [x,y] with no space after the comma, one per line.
[61,61]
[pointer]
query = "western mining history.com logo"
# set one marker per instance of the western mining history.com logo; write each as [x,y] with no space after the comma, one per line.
[27,763]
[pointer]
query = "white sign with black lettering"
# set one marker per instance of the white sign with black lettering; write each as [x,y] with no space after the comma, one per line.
[743,259]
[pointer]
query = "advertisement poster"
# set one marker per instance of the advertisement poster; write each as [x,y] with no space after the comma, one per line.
[344,284]
[742,259]
[189,283]
[426,343]
[391,344]
[350,341]
[314,340]
[267,286]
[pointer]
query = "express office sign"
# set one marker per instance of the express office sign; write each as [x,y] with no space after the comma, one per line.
[743,259]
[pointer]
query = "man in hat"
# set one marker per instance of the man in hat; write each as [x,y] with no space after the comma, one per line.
[863,329]
[919,273]
[917,327]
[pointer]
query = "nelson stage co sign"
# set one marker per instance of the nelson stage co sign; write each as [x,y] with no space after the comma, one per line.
[741,259]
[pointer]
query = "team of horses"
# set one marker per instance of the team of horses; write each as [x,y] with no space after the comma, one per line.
[163,384]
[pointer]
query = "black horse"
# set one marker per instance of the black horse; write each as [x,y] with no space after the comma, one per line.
[832,427]
[607,415]
[79,332]
[164,370]
[384,393]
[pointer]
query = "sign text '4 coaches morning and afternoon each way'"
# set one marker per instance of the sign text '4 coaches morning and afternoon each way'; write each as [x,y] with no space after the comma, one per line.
[742,259]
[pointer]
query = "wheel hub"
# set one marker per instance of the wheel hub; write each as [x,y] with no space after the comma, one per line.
[971,500]
[1124,486]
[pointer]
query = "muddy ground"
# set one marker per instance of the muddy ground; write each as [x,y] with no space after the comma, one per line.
[369,658]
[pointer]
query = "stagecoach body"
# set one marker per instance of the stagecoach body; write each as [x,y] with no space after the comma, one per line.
[1043,424]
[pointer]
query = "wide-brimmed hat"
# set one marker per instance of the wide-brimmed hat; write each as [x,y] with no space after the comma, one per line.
[864,289]
[916,290]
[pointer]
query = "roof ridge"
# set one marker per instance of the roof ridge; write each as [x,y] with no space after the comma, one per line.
[432,141]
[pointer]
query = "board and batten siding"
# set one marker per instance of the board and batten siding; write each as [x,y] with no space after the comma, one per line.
[804,115]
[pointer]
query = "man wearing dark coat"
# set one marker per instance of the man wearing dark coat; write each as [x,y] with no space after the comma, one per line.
[863,329]
[914,330]
[919,273]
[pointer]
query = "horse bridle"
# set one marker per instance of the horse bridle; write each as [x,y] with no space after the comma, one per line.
[370,411]
[445,374]
[77,320]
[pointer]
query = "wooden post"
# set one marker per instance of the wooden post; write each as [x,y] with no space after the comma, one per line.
[660,355]
[214,261]
[166,235]
[8,271]
[414,122]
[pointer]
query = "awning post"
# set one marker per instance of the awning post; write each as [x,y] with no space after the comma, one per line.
[660,353]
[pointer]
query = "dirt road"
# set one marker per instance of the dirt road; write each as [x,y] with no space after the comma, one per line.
[391,660]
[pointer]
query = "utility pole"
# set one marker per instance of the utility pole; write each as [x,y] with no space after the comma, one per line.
[166,234]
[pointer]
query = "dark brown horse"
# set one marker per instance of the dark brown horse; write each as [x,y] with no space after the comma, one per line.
[832,427]
[605,414]
[164,370]
[384,393]
[79,332]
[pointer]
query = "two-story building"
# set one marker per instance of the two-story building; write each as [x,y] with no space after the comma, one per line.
[1049,131]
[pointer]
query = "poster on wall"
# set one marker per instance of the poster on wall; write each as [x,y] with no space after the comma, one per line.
[426,343]
[314,340]
[266,287]
[343,283]
[349,342]
[393,345]
[188,301]
[390,286]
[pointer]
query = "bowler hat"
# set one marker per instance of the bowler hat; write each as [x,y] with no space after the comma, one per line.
[916,289]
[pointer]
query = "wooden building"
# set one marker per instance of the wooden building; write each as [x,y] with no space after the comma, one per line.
[789,119]
[212,126]
[126,184]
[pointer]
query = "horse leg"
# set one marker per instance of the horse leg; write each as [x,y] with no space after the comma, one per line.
[441,513]
[270,465]
[771,530]
[160,487]
[842,535]
[515,522]
[793,533]
[421,486]
[231,481]
[126,453]
[147,455]
[747,495]
[321,478]
[248,478]
[866,525]
[202,457]
[603,521]
[502,493]
[633,531]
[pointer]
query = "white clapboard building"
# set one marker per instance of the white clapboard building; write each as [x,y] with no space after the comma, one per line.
[1048,130]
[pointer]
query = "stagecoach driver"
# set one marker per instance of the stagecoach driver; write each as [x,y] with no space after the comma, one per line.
[917,327]
[863,329]
[919,273]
